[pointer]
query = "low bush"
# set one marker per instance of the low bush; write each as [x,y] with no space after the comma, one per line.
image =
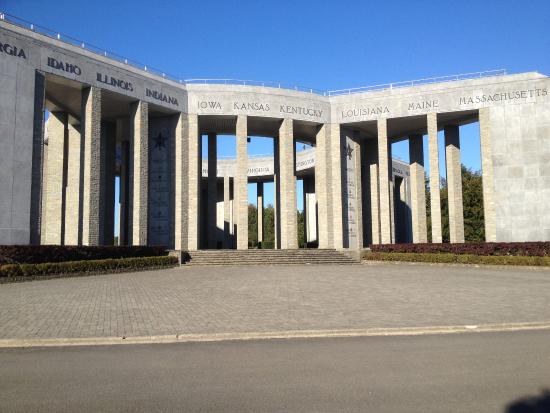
[89,266]
[538,249]
[457,258]
[36,254]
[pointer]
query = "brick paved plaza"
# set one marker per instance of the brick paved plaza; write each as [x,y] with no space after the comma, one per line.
[271,298]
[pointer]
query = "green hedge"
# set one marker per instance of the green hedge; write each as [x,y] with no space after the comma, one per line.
[37,254]
[90,266]
[457,258]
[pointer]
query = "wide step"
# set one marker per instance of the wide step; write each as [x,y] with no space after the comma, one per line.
[269,257]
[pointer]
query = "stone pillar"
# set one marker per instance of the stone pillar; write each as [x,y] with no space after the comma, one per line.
[454,183]
[212,190]
[181,173]
[435,196]
[124,193]
[375,194]
[418,189]
[359,191]
[108,147]
[322,185]
[310,210]
[91,180]
[54,182]
[139,171]
[194,178]
[241,182]
[487,174]
[72,191]
[276,194]
[227,221]
[260,208]
[384,156]
[287,168]
[336,182]
[38,158]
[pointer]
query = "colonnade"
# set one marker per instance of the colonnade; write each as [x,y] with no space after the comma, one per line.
[79,168]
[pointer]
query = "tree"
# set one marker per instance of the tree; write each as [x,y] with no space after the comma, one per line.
[472,201]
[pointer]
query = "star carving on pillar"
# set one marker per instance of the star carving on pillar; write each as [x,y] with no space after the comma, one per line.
[160,141]
[349,151]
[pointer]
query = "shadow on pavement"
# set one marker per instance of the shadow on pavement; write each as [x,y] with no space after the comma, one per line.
[531,404]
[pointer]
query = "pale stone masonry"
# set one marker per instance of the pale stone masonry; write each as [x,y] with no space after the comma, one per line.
[241,182]
[358,191]
[227,221]
[418,189]
[487,174]
[63,192]
[287,165]
[212,186]
[91,180]
[336,181]
[54,185]
[72,191]
[454,183]
[193,159]
[384,182]
[322,186]
[435,195]
[260,209]
[181,185]
[139,171]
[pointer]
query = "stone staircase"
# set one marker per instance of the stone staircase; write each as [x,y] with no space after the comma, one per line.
[268,257]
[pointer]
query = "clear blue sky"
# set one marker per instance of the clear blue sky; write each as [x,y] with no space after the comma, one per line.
[320,44]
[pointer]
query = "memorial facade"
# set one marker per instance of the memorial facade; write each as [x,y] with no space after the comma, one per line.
[109,119]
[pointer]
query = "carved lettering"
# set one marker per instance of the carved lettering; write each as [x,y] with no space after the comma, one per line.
[63,66]
[300,110]
[10,50]
[112,81]
[503,96]
[161,96]
[209,105]
[365,111]
[253,106]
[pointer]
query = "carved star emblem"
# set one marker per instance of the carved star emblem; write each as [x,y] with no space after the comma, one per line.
[349,151]
[160,141]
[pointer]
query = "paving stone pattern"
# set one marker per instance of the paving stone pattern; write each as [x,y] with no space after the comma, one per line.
[271,298]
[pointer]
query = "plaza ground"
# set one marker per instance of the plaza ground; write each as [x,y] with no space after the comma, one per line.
[211,300]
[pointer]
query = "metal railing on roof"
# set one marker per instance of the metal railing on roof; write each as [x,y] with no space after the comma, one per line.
[261,83]
[417,82]
[86,46]
[279,85]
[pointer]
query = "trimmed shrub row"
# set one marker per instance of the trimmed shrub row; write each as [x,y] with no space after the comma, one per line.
[90,266]
[36,254]
[538,249]
[457,258]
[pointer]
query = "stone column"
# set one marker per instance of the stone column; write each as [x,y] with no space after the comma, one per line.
[260,208]
[194,179]
[454,183]
[276,194]
[322,185]
[91,178]
[487,174]
[139,171]
[418,189]
[72,191]
[241,182]
[287,168]
[227,212]
[435,196]
[54,182]
[336,182]
[212,190]
[310,210]
[384,156]
[108,147]
[375,194]
[123,194]
[181,160]
[359,191]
